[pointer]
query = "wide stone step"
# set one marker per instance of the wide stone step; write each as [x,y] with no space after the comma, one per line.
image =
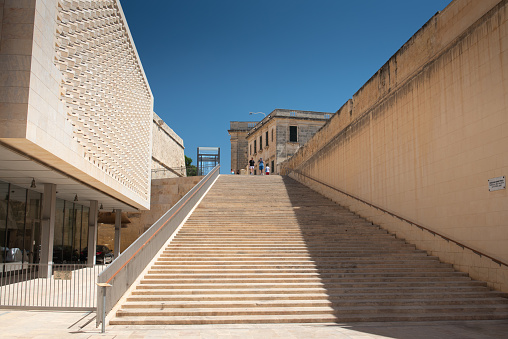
[317,294]
[277,319]
[164,290]
[226,244]
[295,253]
[277,273]
[389,257]
[158,279]
[280,275]
[326,243]
[163,311]
[163,304]
[154,284]
[322,267]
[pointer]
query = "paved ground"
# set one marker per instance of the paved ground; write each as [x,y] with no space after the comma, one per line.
[49,324]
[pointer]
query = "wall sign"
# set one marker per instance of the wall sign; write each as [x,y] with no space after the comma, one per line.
[498,183]
[62,275]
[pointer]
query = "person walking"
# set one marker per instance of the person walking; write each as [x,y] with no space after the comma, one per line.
[261,166]
[267,170]
[252,163]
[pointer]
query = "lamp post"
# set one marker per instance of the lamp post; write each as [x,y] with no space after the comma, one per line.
[250,113]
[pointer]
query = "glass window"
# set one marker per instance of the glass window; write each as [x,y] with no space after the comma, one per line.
[273,168]
[4,200]
[266,137]
[58,238]
[33,227]
[84,227]
[255,149]
[19,224]
[15,232]
[71,231]
[293,133]
[260,142]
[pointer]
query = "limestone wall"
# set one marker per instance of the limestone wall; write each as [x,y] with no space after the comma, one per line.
[422,137]
[239,146]
[74,94]
[165,193]
[168,160]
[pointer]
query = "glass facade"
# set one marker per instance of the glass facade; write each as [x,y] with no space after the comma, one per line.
[71,232]
[19,224]
[20,227]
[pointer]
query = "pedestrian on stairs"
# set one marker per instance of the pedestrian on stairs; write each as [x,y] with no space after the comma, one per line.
[251,166]
[261,166]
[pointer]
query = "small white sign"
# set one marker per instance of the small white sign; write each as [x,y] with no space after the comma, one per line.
[496,184]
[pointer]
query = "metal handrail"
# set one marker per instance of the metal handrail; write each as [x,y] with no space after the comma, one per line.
[423,228]
[125,269]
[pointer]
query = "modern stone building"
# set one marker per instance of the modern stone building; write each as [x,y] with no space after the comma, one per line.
[280,134]
[76,127]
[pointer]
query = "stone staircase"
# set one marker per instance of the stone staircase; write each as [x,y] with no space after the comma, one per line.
[266,249]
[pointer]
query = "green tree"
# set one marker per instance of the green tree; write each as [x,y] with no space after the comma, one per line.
[191,169]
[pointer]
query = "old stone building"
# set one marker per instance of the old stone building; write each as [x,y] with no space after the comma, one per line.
[280,134]
[238,131]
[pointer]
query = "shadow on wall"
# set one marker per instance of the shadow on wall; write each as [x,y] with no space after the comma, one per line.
[369,275]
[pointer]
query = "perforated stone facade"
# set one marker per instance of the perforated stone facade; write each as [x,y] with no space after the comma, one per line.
[107,99]
[74,96]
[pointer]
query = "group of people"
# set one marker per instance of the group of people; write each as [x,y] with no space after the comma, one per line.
[263,170]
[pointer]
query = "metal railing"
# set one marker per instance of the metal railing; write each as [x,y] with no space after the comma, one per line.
[423,228]
[124,271]
[69,287]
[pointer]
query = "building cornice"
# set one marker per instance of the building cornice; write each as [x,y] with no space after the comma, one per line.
[275,114]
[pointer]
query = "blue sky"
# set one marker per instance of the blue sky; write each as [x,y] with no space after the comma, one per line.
[212,62]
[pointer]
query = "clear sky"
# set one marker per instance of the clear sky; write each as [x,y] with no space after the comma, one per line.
[210,62]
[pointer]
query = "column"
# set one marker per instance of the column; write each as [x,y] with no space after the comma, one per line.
[92,232]
[47,230]
[118,226]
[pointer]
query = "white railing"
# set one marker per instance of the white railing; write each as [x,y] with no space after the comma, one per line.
[121,274]
[28,286]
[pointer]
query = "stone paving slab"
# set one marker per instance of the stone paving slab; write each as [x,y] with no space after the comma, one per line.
[51,324]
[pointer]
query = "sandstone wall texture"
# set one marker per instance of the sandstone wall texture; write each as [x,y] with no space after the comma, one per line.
[239,153]
[165,193]
[168,160]
[422,137]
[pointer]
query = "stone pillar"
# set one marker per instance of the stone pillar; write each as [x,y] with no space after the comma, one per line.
[92,232]
[47,230]
[118,226]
